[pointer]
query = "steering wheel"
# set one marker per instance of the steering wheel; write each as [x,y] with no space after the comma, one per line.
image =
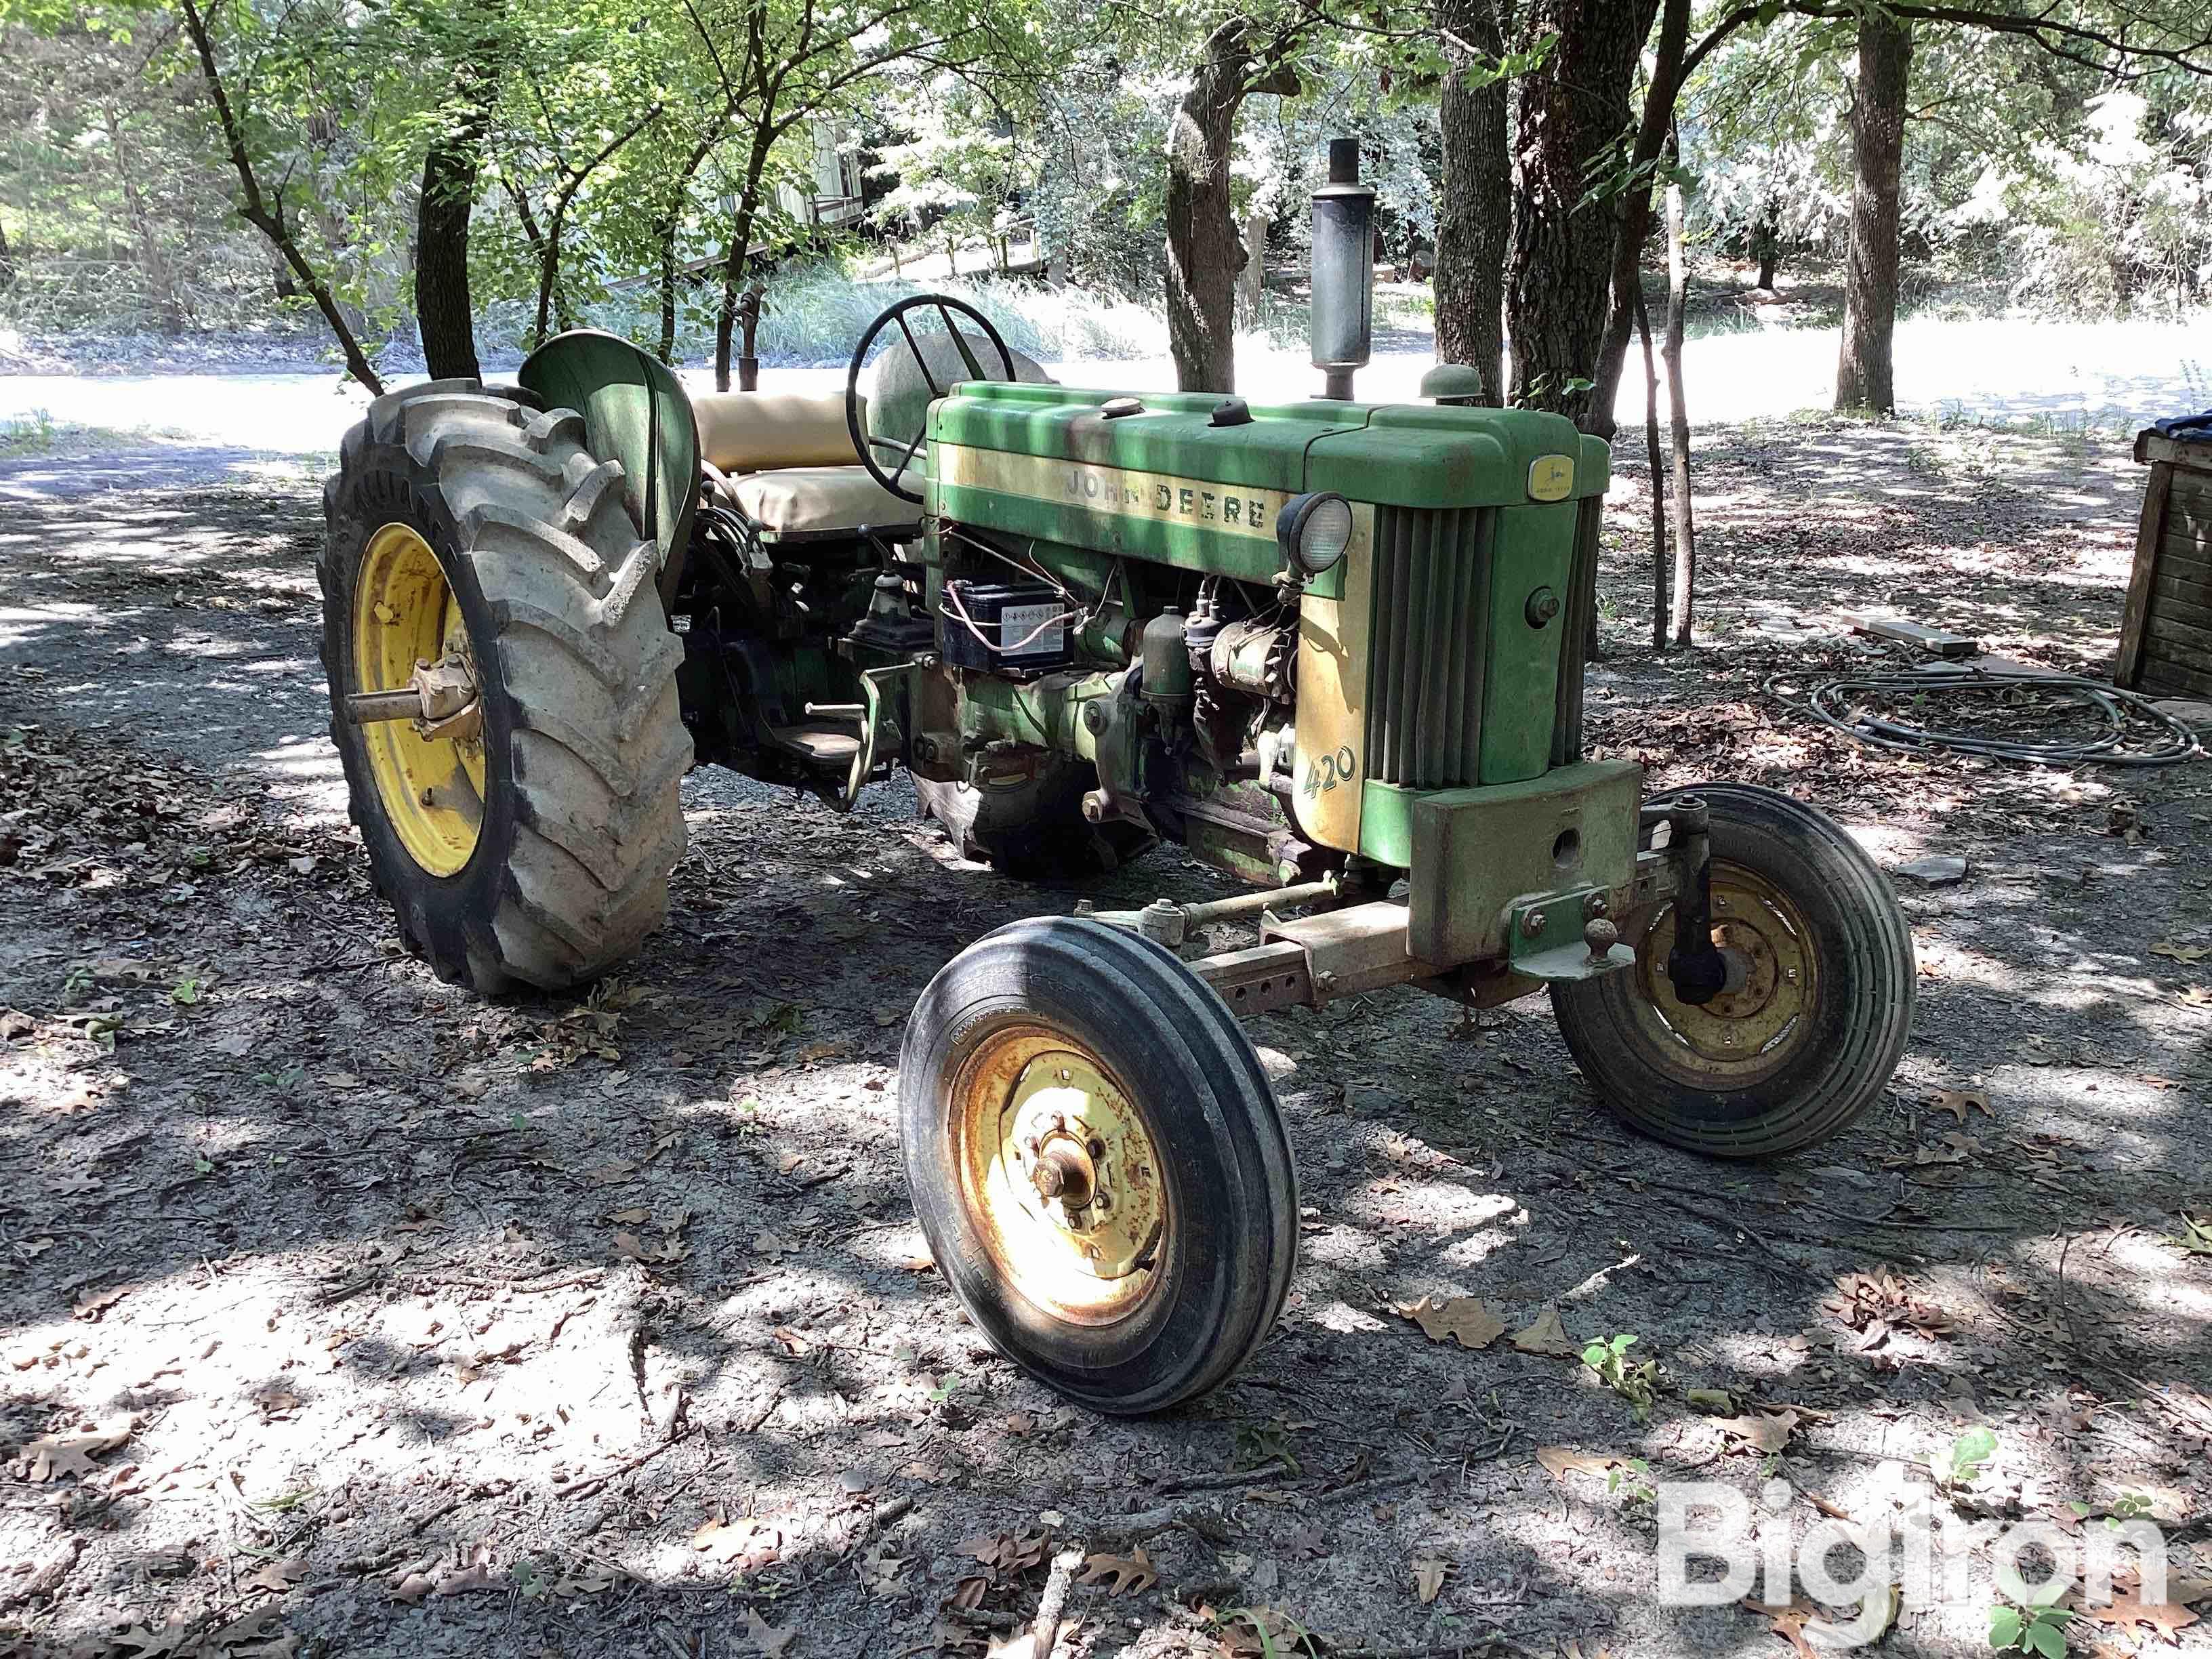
[969,350]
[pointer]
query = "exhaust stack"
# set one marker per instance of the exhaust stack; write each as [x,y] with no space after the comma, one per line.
[1343,280]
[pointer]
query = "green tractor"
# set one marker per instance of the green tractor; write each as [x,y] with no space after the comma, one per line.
[1333,649]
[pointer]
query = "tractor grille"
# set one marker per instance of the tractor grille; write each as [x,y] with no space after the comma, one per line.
[1429,644]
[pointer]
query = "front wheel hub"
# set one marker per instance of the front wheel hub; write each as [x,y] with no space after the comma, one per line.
[1061,1177]
[1770,971]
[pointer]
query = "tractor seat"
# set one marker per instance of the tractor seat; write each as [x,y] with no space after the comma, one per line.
[785,460]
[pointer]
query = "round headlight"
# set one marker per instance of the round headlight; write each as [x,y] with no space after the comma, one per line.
[1315,530]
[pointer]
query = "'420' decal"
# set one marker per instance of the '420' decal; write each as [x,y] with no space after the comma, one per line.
[1329,770]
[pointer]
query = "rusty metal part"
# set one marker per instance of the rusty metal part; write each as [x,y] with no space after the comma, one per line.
[1260,978]
[1601,936]
[1759,1013]
[440,697]
[1060,1173]
[1165,922]
[1695,972]
[1359,948]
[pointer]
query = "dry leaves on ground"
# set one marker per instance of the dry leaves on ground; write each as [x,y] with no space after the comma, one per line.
[1459,1319]
[1560,1460]
[1547,1335]
[765,1637]
[50,1457]
[1429,1574]
[1763,1431]
[1134,1571]
[1881,1303]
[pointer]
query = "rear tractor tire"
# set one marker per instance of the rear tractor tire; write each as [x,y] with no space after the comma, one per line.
[1099,1163]
[1816,1012]
[532,846]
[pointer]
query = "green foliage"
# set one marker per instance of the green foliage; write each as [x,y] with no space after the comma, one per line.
[1965,1458]
[1638,1384]
[2036,1625]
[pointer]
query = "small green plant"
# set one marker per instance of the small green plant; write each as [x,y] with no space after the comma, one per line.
[1632,1483]
[2194,1238]
[1964,1459]
[1638,1384]
[188,990]
[945,1389]
[78,981]
[1274,1633]
[283,1081]
[1255,1444]
[2130,1506]
[2035,1626]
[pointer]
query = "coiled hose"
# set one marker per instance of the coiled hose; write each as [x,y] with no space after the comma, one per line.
[1842,703]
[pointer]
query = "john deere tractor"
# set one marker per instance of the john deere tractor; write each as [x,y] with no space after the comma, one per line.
[1333,648]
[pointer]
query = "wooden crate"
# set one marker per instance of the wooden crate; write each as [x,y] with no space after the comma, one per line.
[2165,633]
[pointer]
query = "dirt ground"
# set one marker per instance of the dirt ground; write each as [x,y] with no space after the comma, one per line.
[343,1313]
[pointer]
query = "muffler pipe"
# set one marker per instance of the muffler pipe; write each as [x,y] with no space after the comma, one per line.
[1343,273]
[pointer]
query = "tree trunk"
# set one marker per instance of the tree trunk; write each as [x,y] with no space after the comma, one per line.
[6,261]
[738,257]
[1572,114]
[1252,277]
[1204,255]
[443,305]
[1766,245]
[1658,470]
[664,229]
[1865,368]
[1678,410]
[1632,212]
[168,308]
[1475,208]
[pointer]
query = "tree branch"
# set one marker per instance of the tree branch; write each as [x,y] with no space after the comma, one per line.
[255,212]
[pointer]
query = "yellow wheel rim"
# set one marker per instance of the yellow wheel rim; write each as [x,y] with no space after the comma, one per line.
[1058,1174]
[432,789]
[1764,1014]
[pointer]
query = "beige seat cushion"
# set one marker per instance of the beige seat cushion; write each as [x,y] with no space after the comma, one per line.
[759,431]
[795,501]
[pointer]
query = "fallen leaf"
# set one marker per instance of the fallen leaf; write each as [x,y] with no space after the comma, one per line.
[1546,1335]
[93,1303]
[1461,1319]
[745,1542]
[1763,1431]
[666,1251]
[1008,1553]
[766,1640]
[1559,1459]
[1120,1572]
[1789,1623]
[2167,1617]
[1429,1572]
[52,1456]
[1959,1101]
[277,1576]
[2173,952]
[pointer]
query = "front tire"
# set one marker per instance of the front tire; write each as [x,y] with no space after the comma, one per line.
[535,851]
[1097,1162]
[1820,1006]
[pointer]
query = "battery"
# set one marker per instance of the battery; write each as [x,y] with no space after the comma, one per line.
[1025,623]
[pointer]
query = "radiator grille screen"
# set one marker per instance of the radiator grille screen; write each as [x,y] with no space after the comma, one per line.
[1429,645]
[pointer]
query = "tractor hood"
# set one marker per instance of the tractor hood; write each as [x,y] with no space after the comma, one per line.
[1413,455]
